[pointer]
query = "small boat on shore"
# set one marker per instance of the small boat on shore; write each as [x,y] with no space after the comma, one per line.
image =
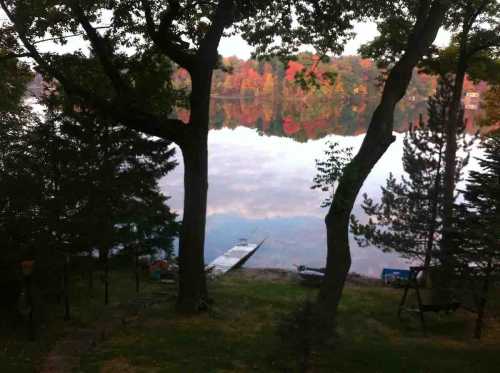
[310,276]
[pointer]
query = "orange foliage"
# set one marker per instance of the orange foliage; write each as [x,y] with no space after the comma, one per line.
[293,68]
[366,63]
[279,105]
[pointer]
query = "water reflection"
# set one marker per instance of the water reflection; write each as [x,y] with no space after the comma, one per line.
[261,164]
[310,119]
[304,120]
[259,186]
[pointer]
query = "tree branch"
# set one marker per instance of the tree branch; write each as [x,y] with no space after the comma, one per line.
[32,51]
[475,13]
[489,43]
[164,38]
[223,18]
[10,56]
[102,50]
[67,36]
[168,129]
[150,23]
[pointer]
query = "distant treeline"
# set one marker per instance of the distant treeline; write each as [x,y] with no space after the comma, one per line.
[267,96]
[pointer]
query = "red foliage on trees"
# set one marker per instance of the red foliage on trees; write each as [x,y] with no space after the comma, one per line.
[293,68]
[290,126]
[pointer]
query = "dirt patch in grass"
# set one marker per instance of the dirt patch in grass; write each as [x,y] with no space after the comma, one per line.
[118,364]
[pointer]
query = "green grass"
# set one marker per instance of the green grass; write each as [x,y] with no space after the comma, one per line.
[19,355]
[239,335]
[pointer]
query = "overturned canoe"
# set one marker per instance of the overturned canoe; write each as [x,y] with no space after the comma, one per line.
[233,258]
[311,276]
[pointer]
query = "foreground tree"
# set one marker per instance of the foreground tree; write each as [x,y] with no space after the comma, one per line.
[113,175]
[18,187]
[69,183]
[426,17]
[154,33]
[408,219]
[136,94]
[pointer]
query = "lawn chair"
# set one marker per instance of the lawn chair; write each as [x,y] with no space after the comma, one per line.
[443,298]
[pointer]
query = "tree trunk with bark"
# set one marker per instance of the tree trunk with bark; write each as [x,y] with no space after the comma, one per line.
[377,140]
[483,297]
[433,223]
[192,281]
[450,158]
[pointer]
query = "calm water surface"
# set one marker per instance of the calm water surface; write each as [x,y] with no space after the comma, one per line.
[259,187]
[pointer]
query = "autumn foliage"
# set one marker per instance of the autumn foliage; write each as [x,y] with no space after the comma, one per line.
[267,96]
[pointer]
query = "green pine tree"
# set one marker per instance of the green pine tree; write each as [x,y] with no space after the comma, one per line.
[478,239]
[407,220]
[112,175]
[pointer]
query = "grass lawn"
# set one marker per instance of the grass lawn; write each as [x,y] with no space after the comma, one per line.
[19,355]
[239,335]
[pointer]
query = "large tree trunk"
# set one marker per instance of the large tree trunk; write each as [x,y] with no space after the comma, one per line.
[450,159]
[192,281]
[377,140]
[483,298]
[433,223]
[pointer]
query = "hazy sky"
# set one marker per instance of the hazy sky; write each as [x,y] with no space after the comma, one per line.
[236,46]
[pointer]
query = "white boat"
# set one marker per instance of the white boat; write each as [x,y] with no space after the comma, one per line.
[233,258]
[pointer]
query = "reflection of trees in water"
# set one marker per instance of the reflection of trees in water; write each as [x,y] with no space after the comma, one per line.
[265,96]
[303,120]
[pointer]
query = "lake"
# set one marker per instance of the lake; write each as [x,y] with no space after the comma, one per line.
[260,174]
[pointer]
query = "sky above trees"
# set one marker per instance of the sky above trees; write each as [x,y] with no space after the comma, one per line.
[236,46]
[365,31]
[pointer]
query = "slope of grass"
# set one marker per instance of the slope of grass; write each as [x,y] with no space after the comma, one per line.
[239,335]
[18,354]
